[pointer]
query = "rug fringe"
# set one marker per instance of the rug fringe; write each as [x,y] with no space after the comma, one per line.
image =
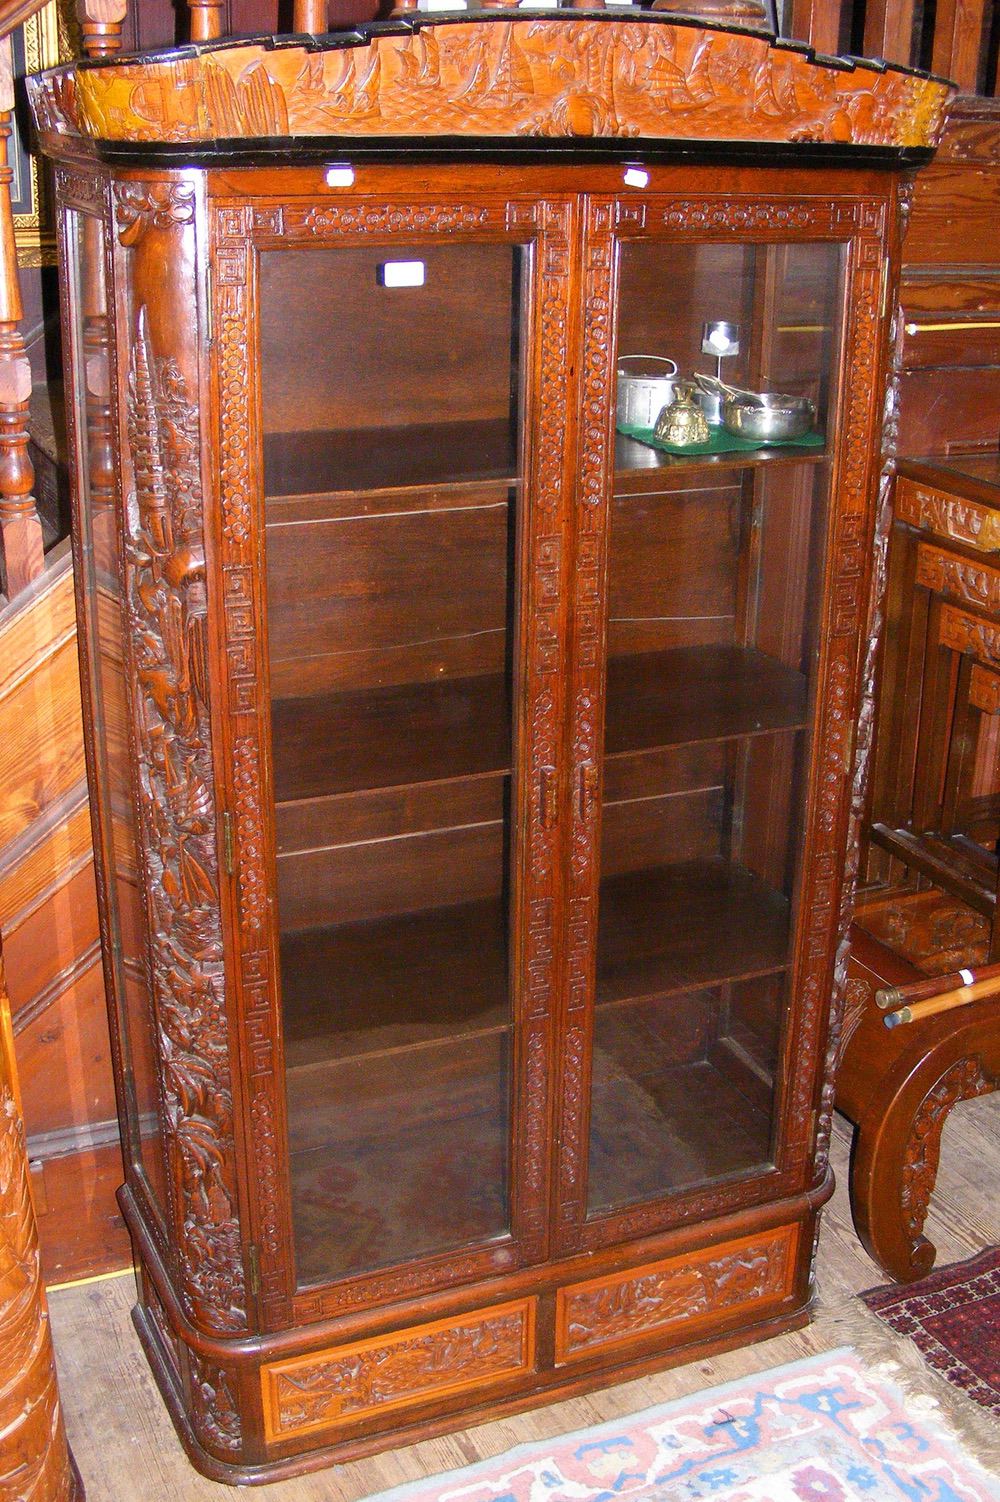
[898,1359]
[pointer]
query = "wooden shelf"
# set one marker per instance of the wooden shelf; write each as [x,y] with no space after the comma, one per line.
[390,737]
[636,462]
[705,693]
[394,983]
[431,732]
[383,458]
[398,1156]
[341,463]
[376,1138]
[668,1129]
[696,923]
[419,979]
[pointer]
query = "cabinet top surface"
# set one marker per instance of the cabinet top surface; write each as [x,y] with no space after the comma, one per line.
[537,79]
[973,476]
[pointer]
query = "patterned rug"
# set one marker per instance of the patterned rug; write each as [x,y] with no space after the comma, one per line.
[826,1429]
[953,1317]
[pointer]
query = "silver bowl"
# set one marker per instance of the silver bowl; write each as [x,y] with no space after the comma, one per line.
[769,417]
[760,416]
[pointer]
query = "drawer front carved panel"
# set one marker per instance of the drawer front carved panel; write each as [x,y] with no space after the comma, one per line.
[949,516]
[967,633]
[345,1384]
[947,574]
[677,1291]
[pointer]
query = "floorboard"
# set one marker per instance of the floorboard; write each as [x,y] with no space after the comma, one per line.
[127,1451]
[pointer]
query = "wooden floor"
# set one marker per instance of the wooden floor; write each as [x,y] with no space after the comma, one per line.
[127,1451]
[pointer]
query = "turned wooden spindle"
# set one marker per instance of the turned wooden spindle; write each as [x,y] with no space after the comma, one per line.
[97,377]
[206,19]
[309,17]
[101,26]
[20,524]
[35,1460]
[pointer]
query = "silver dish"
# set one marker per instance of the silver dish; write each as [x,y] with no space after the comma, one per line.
[761,416]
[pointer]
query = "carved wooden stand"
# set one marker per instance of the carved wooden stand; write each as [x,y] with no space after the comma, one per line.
[231,600]
[898,1086]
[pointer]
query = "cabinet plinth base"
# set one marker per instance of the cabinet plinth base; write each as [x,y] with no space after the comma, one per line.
[346,1397]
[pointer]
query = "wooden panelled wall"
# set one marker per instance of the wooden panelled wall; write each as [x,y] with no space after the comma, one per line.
[950,355]
[950,398]
[48,915]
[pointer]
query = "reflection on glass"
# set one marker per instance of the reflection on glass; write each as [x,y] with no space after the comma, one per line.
[391,458]
[102,563]
[713,577]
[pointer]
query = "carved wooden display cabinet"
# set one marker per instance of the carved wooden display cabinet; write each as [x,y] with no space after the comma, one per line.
[472,787]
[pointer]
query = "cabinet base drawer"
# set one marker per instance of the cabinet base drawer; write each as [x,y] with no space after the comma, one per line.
[689,1290]
[346,1384]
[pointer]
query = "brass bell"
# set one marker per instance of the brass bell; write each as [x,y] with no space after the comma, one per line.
[683,422]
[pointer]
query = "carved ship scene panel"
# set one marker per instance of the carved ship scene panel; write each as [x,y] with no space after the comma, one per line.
[534,76]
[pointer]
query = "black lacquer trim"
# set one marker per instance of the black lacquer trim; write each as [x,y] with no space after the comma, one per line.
[286,151]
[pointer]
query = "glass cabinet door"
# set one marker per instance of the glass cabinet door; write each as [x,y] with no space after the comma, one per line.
[695,786]
[394,383]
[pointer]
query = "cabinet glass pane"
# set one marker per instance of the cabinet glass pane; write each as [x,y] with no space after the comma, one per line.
[714,575]
[100,552]
[392,476]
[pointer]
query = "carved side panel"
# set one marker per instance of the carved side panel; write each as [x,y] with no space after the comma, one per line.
[215,1407]
[347,1384]
[665,1296]
[166,603]
[857,999]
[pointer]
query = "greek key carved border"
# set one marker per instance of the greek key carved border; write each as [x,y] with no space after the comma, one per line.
[252,877]
[856,570]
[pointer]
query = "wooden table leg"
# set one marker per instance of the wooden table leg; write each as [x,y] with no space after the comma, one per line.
[898,1143]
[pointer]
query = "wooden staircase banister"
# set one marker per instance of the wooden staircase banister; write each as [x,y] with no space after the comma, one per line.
[21,550]
[14,13]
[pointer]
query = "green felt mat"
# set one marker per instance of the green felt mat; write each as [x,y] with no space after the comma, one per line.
[721,442]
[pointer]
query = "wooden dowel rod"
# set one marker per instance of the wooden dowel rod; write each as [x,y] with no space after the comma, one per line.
[101,26]
[888,997]
[206,19]
[946,1002]
[309,17]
